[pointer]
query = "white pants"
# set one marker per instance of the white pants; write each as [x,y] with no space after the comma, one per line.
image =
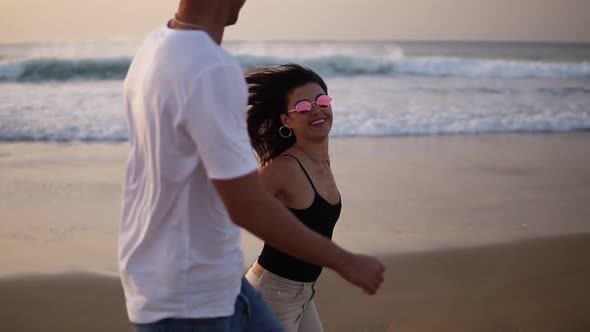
[291,301]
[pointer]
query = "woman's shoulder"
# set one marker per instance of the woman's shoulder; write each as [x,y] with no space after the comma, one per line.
[283,177]
[280,174]
[282,166]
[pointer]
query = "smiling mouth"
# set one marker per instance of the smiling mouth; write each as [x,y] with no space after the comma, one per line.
[317,122]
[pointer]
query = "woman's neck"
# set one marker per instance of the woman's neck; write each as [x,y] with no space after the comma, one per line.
[317,152]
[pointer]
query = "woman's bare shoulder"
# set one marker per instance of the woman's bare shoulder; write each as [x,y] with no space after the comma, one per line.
[281,168]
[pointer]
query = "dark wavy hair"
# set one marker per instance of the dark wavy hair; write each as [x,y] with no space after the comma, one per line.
[269,89]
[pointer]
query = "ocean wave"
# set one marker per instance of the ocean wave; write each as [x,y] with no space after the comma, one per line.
[39,70]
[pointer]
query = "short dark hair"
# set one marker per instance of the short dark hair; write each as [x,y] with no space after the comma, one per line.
[269,89]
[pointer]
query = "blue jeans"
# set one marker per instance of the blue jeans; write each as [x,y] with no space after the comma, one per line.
[251,314]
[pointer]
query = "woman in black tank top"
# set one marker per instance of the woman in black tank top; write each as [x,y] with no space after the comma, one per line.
[289,121]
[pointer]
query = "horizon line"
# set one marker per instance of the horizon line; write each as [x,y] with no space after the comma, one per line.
[323,40]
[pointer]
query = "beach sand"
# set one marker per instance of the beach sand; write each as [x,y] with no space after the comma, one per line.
[535,285]
[531,285]
[479,233]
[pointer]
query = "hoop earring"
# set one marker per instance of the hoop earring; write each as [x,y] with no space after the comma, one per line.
[285,135]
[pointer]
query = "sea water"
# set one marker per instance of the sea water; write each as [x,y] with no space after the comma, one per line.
[73,91]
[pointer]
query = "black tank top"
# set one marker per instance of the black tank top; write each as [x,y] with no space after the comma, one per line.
[320,216]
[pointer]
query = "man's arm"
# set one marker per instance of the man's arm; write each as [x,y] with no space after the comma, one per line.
[253,208]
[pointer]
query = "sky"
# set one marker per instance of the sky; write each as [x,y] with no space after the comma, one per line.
[499,20]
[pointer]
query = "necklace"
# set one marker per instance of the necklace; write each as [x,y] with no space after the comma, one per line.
[186,24]
[321,161]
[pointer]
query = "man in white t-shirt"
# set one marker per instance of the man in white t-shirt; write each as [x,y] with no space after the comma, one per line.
[192,180]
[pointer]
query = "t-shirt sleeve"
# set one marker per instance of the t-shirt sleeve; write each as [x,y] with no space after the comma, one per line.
[215,118]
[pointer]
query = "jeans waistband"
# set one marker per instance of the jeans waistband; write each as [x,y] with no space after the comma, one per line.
[261,272]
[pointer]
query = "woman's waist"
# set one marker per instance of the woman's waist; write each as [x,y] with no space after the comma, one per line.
[287,267]
[262,273]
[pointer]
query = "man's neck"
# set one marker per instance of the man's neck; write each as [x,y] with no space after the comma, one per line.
[204,18]
[215,34]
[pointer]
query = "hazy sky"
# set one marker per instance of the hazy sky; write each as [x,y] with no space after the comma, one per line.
[532,20]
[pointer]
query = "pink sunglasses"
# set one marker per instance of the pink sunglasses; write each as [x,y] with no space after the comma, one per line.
[304,106]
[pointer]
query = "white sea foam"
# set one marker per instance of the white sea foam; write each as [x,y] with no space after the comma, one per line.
[73,91]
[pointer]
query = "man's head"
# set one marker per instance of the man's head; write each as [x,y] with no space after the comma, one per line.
[234,7]
[211,16]
[218,12]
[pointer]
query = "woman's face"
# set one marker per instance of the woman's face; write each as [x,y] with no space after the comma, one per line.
[315,124]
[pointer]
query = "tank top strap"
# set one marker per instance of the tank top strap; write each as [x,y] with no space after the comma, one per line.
[303,169]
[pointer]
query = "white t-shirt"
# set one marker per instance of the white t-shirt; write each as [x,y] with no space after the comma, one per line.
[179,252]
